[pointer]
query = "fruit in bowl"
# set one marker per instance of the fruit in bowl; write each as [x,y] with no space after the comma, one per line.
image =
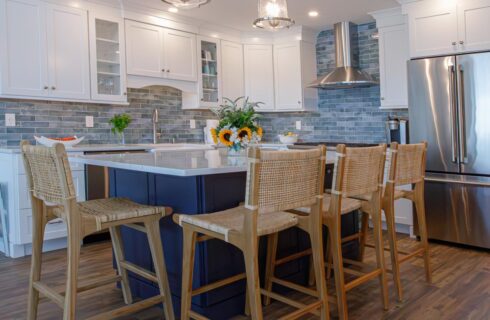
[288,138]
[67,141]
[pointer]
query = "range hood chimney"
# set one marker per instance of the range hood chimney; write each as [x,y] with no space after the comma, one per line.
[346,74]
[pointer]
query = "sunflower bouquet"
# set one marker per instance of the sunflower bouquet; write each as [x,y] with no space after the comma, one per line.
[237,128]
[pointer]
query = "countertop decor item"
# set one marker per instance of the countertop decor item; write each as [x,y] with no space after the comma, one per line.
[237,127]
[288,138]
[273,15]
[187,4]
[67,141]
[119,123]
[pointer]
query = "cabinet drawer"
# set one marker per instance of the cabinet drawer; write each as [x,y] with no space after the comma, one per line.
[54,229]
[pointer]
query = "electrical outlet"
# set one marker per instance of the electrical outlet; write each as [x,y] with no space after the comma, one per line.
[10,119]
[193,124]
[89,121]
[298,125]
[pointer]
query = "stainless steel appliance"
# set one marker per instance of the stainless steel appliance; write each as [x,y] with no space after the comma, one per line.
[397,130]
[449,106]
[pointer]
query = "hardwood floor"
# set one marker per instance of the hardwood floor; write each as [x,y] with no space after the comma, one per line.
[460,289]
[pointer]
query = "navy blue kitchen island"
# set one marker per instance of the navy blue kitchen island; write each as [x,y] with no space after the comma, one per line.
[194,193]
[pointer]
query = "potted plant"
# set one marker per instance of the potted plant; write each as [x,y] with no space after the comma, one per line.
[119,123]
[237,128]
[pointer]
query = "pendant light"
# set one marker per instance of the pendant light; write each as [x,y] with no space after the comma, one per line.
[273,15]
[187,4]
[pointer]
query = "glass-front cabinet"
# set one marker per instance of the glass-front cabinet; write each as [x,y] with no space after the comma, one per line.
[107,59]
[209,72]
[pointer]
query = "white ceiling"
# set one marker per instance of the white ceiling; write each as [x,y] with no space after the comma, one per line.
[239,14]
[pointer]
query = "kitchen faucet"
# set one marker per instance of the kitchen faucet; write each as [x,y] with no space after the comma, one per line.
[156,135]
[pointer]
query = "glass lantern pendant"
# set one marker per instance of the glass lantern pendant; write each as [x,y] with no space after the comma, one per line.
[273,15]
[186,4]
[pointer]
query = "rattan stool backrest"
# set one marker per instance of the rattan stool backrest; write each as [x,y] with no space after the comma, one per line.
[48,173]
[358,171]
[284,180]
[409,163]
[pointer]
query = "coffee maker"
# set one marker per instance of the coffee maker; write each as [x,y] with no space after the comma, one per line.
[397,130]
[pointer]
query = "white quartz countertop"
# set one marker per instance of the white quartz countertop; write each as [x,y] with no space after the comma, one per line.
[182,163]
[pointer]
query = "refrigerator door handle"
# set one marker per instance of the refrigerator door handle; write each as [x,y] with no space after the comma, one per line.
[454,125]
[463,157]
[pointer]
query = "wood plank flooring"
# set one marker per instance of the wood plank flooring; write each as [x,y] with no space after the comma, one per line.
[461,288]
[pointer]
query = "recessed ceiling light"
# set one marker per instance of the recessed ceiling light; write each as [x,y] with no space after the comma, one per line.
[173,10]
[313,14]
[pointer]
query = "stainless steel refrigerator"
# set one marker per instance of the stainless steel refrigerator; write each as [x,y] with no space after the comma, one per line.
[449,106]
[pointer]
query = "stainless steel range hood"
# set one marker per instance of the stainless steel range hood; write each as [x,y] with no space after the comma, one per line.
[346,75]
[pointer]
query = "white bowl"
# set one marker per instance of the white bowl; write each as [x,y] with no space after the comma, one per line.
[51,142]
[288,139]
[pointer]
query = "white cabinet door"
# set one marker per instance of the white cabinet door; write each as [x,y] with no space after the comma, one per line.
[23,48]
[393,57]
[144,49]
[433,31]
[474,25]
[259,75]
[287,75]
[68,52]
[180,55]
[232,73]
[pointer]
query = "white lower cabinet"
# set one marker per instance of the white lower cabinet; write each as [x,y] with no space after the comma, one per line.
[44,50]
[20,209]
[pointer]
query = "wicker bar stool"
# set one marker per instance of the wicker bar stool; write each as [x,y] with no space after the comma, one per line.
[53,196]
[407,167]
[358,172]
[276,181]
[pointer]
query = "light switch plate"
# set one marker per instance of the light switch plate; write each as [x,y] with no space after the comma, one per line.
[89,121]
[298,125]
[193,124]
[10,119]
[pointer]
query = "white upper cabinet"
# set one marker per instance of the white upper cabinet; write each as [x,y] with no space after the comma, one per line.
[209,72]
[68,52]
[44,50]
[180,58]
[259,75]
[394,53]
[23,48]
[232,72]
[474,25]
[144,49]
[433,31]
[448,27]
[155,51]
[287,74]
[107,58]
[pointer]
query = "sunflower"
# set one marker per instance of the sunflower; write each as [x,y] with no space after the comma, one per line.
[214,135]
[245,132]
[260,132]
[225,136]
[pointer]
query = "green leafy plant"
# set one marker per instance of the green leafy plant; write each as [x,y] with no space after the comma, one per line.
[120,122]
[231,115]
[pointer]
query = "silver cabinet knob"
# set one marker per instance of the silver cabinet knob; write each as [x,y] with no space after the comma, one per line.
[125,93]
[454,43]
[53,88]
[299,102]
[461,42]
[382,98]
[163,70]
[46,87]
[168,70]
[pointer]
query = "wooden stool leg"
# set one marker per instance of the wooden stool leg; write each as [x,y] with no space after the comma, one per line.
[328,255]
[335,239]
[270,264]
[119,256]
[252,270]
[395,265]
[316,240]
[74,240]
[155,241]
[364,230]
[189,248]
[379,247]
[38,226]
[420,209]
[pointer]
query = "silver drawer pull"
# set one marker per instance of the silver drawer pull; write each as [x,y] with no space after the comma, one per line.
[55,221]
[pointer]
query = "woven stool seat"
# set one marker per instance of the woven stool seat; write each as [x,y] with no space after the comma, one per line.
[114,209]
[348,205]
[232,220]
